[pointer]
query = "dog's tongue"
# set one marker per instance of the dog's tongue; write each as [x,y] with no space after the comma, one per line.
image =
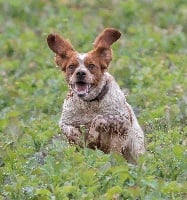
[81,89]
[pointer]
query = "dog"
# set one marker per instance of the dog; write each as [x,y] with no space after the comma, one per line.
[95,112]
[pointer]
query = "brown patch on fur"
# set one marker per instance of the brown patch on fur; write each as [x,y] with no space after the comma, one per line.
[69,95]
[63,49]
[100,56]
[64,62]
[59,45]
[107,38]
[70,66]
[97,70]
[102,51]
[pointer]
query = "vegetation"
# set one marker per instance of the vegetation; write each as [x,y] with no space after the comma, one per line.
[150,64]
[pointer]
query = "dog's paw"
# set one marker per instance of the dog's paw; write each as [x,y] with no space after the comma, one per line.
[99,124]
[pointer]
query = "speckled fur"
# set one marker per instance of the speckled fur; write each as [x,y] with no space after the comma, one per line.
[107,123]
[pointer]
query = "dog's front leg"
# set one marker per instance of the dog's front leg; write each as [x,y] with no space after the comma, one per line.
[117,133]
[109,133]
[73,134]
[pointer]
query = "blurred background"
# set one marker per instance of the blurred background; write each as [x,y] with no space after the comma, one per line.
[149,63]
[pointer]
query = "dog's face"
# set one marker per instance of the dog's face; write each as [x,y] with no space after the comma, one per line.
[84,71]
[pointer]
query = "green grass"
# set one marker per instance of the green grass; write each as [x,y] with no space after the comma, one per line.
[150,64]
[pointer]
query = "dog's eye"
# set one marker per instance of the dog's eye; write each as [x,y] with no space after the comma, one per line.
[71,67]
[91,66]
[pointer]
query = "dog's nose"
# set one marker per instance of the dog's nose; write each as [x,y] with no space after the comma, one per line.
[81,74]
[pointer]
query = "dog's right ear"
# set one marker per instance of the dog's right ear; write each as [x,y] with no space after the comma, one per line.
[59,45]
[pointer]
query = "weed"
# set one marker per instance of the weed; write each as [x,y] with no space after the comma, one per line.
[36,162]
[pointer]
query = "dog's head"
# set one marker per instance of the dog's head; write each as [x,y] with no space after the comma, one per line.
[84,71]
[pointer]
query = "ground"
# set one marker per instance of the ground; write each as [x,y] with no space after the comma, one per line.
[150,66]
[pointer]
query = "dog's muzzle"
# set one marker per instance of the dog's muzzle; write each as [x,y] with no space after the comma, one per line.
[81,87]
[80,75]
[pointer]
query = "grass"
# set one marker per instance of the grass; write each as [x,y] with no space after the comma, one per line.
[149,64]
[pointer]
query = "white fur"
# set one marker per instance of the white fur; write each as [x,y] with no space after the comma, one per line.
[78,112]
[81,57]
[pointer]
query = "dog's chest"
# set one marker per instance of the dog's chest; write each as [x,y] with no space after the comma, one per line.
[80,112]
[77,112]
[87,109]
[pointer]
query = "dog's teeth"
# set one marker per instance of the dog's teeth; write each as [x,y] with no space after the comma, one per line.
[81,89]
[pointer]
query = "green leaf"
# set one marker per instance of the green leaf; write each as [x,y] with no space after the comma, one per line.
[174,187]
[113,192]
[43,192]
[179,151]
[89,177]
[68,189]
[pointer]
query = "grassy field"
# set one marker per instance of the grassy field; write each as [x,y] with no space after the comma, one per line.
[150,64]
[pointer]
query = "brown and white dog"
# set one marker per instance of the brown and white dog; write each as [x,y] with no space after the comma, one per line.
[95,111]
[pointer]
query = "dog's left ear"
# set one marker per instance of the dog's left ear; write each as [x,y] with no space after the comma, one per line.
[107,38]
[103,44]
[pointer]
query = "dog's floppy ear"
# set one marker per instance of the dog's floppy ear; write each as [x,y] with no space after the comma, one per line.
[59,45]
[62,47]
[107,38]
[103,44]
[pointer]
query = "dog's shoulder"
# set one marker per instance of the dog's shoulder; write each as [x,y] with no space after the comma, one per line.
[115,98]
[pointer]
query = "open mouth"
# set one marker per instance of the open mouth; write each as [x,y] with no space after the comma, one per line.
[81,88]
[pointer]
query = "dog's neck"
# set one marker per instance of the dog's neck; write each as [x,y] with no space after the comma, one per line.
[103,92]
